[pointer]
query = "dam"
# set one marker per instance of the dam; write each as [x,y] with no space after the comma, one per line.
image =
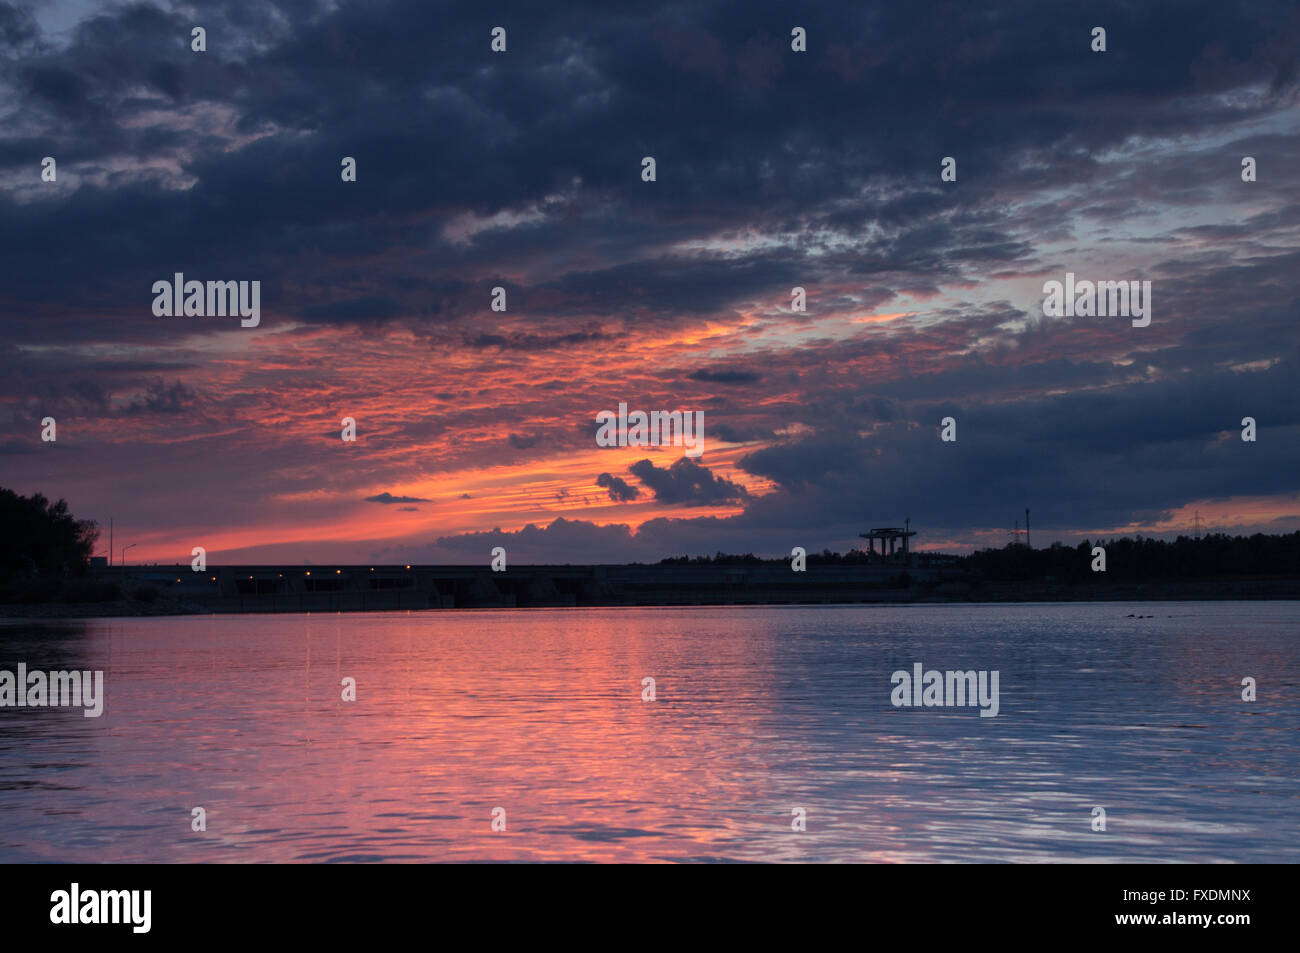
[357,588]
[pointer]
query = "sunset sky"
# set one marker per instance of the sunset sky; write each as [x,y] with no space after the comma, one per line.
[522,169]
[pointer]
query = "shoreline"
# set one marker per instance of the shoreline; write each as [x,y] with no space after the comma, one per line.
[1222,590]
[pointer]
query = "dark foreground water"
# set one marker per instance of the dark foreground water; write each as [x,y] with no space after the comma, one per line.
[759,711]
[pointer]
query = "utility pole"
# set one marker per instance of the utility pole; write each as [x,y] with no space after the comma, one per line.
[110,540]
[1027,542]
[1198,524]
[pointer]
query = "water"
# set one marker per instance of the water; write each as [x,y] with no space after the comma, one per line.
[758,711]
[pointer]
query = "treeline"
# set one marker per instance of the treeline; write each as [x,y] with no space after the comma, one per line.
[1128,559]
[45,552]
[1138,559]
[40,538]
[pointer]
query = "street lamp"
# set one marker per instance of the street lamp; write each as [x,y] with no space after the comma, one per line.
[124,549]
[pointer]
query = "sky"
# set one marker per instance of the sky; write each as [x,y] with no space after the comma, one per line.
[522,169]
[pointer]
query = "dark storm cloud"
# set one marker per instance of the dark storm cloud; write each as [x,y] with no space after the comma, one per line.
[374,308]
[665,288]
[18,27]
[440,128]
[561,541]
[725,377]
[728,433]
[620,491]
[531,342]
[688,482]
[775,170]
[388,498]
[1079,459]
[62,89]
[163,398]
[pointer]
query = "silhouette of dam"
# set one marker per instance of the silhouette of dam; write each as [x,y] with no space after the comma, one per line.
[339,588]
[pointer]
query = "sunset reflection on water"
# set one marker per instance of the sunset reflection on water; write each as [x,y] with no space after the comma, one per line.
[758,711]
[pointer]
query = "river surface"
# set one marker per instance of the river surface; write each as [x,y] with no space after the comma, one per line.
[761,715]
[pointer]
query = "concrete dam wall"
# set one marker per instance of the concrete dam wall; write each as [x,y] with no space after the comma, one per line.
[365,588]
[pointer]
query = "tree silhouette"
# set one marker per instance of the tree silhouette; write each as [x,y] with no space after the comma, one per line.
[40,538]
